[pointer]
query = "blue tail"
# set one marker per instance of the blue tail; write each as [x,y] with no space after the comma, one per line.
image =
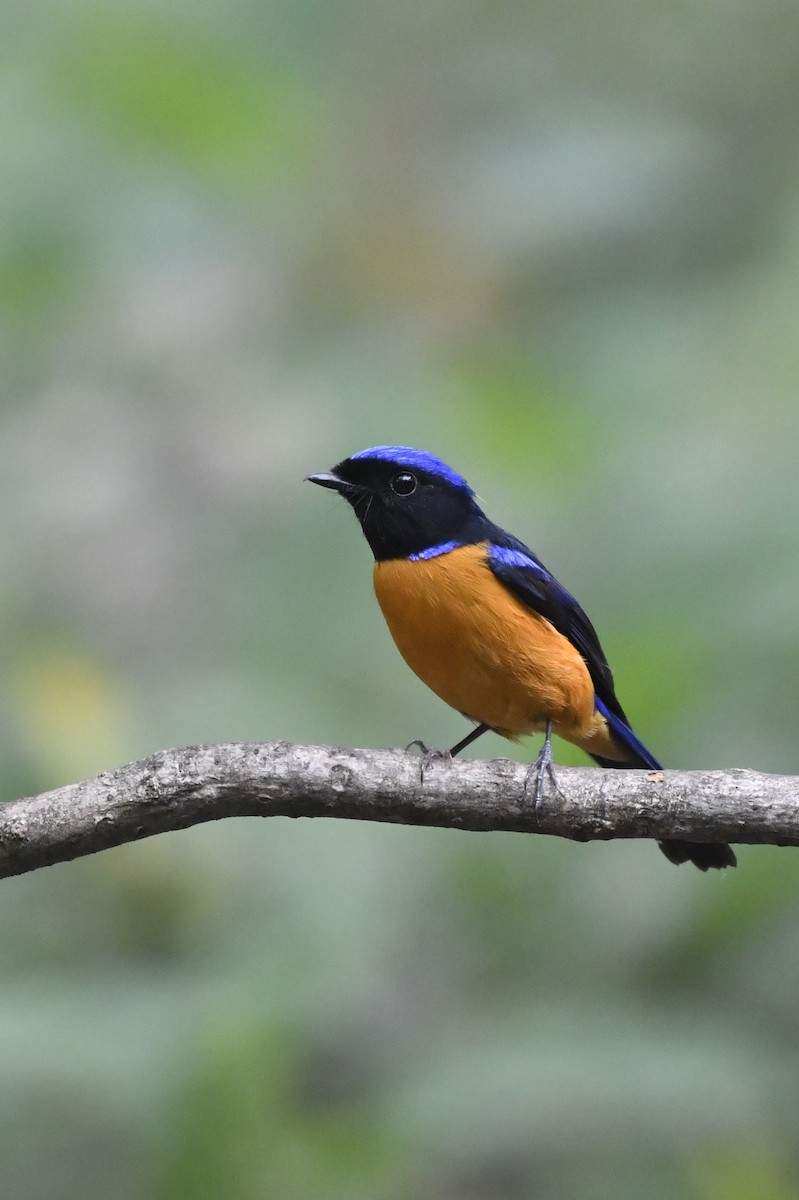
[639,755]
[702,854]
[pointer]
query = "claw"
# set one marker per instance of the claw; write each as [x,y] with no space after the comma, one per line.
[429,756]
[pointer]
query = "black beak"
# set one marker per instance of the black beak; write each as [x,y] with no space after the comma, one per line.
[328,480]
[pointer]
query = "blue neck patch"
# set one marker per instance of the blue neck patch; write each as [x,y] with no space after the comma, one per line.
[406,456]
[434,551]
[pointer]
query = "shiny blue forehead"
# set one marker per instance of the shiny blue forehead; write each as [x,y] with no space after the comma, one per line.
[406,456]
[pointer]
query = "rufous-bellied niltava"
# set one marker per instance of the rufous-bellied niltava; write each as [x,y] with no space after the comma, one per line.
[483,622]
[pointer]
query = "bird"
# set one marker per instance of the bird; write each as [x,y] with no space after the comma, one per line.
[479,618]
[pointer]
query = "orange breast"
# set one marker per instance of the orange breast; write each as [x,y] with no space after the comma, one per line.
[483,651]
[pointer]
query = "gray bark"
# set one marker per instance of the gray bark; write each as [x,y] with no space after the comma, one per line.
[174,789]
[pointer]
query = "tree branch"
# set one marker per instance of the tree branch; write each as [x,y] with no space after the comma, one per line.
[178,788]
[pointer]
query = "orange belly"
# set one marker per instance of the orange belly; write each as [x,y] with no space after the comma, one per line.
[484,652]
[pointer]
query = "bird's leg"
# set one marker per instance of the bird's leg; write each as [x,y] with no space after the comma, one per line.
[542,766]
[477,732]
[431,756]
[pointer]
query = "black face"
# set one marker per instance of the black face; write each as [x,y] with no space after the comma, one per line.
[404,510]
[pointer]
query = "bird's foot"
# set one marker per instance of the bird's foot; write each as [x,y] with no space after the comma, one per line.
[429,757]
[541,768]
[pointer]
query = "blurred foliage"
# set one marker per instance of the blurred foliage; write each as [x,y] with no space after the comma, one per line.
[558,245]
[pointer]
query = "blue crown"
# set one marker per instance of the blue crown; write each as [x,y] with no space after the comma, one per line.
[406,456]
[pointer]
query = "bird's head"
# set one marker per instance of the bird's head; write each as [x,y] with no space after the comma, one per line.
[407,501]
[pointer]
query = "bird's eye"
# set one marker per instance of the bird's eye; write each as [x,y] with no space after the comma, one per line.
[403,484]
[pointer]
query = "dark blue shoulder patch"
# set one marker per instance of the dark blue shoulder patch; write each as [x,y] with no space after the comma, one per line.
[509,556]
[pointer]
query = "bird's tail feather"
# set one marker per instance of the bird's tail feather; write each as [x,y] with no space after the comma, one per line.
[704,855]
[636,753]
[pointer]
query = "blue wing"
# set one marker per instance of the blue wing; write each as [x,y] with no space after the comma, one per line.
[515,565]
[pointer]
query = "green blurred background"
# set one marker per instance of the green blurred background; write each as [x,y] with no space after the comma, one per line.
[557,244]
